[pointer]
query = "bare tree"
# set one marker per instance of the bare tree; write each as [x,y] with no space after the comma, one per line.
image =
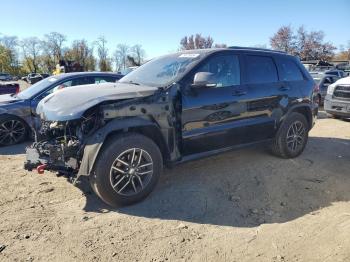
[103,60]
[31,52]
[307,45]
[138,54]
[121,56]
[284,40]
[197,42]
[344,53]
[54,43]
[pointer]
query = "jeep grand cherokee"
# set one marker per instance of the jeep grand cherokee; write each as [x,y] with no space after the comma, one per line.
[174,108]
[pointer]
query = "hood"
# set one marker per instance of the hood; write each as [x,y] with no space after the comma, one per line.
[6,99]
[70,103]
[343,81]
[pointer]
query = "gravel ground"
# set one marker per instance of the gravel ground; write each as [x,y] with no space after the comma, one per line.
[243,205]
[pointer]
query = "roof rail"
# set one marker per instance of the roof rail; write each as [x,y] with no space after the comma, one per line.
[257,49]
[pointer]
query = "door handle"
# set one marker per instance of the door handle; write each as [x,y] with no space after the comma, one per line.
[284,88]
[239,93]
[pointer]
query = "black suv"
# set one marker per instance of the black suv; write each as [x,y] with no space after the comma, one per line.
[174,108]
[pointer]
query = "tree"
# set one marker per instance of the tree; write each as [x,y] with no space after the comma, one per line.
[196,42]
[5,58]
[81,53]
[307,45]
[344,53]
[9,54]
[31,52]
[54,44]
[138,54]
[104,62]
[121,56]
[284,40]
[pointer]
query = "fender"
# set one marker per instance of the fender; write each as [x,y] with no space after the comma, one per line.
[304,108]
[94,143]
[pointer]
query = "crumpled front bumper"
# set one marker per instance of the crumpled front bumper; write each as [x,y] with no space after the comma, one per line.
[53,160]
[33,159]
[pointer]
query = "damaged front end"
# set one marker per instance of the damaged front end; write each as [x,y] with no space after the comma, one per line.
[59,145]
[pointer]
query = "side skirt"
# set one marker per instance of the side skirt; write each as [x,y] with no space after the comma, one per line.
[216,152]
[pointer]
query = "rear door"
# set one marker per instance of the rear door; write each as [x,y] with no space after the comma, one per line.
[264,88]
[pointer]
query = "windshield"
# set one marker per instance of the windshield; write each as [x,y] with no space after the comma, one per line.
[37,88]
[162,71]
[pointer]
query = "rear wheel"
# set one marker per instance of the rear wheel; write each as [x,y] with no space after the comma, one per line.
[335,116]
[292,136]
[127,170]
[12,130]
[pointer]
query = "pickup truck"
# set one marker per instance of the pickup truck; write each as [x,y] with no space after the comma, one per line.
[9,88]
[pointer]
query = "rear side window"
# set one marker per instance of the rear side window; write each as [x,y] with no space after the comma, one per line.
[261,69]
[290,71]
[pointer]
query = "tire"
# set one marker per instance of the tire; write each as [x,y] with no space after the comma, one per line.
[286,144]
[111,173]
[13,130]
[336,116]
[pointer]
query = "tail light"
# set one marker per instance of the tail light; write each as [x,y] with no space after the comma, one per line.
[17,89]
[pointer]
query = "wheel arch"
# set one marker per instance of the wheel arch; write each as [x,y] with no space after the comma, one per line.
[304,109]
[98,140]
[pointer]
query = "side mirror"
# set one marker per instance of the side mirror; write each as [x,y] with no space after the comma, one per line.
[204,79]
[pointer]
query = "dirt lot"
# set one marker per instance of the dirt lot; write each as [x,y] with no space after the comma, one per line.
[240,206]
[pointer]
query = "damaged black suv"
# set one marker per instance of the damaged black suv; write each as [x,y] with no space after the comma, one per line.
[172,109]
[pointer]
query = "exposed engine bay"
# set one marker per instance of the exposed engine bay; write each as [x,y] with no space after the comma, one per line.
[59,145]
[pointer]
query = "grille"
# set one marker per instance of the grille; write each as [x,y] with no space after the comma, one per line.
[342,92]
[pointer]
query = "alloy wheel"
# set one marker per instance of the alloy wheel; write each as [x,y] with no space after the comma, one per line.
[11,132]
[296,136]
[131,172]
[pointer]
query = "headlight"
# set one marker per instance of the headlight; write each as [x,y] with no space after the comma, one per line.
[330,89]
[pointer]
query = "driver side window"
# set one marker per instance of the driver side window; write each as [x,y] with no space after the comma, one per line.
[225,70]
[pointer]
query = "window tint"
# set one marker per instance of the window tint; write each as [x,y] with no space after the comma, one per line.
[261,69]
[290,71]
[225,69]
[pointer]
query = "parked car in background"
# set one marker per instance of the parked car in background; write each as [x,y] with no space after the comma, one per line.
[9,88]
[337,100]
[5,77]
[335,72]
[172,109]
[34,78]
[17,112]
[322,81]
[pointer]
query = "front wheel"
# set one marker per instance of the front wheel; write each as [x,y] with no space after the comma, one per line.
[12,130]
[292,136]
[127,170]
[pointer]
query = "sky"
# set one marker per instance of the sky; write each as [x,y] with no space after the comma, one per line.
[158,25]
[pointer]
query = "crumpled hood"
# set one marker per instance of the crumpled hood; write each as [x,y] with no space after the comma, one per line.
[70,103]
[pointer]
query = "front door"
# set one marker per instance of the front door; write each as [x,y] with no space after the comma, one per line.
[213,117]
